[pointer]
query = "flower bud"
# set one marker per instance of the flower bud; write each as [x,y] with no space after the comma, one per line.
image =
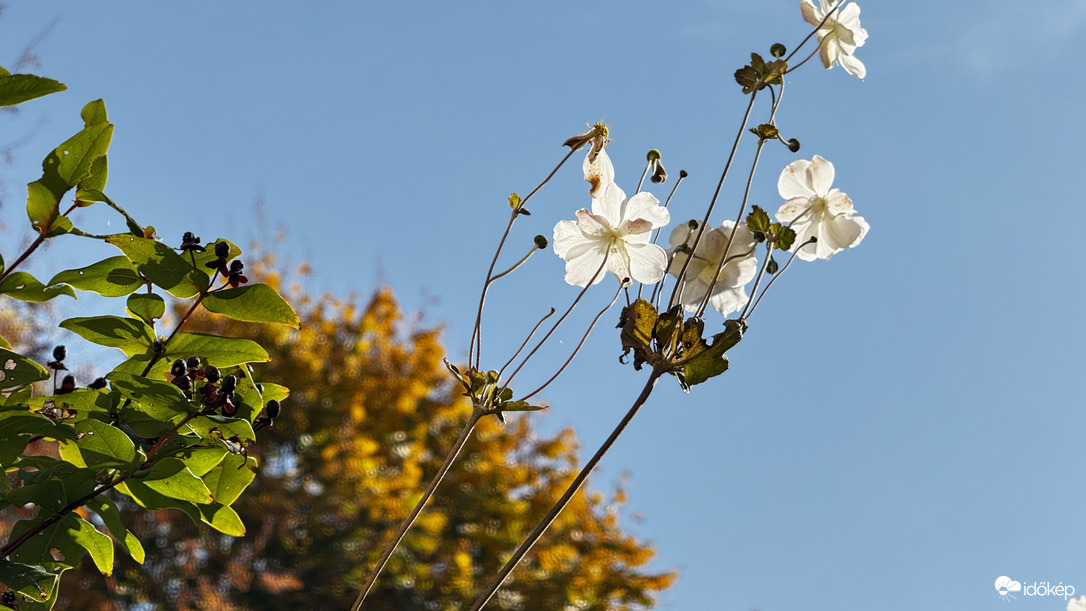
[683,173]
[793,145]
[540,242]
[777,50]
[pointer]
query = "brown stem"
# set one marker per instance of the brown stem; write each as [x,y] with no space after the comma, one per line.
[570,491]
[406,524]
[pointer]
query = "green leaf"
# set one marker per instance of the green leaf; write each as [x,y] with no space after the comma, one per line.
[170,477]
[16,427]
[161,265]
[223,519]
[90,188]
[160,400]
[112,277]
[704,361]
[24,287]
[66,167]
[230,478]
[17,370]
[202,460]
[146,306]
[59,535]
[75,406]
[19,88]
[28,580]
[252,303]
[137,364]
[111,516]
[238,430]
[131,335]
[150,499]
[758,219]
[98,545]
[103,445]
[215,350]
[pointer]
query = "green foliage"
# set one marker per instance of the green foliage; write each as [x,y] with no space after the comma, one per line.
[167,436]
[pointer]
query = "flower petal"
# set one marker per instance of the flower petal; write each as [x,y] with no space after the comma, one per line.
[610,204]
[793,181]
[599,172]
[648,262]
[644,205]
[592,225]
[853,66]
[820,175]
[580,268]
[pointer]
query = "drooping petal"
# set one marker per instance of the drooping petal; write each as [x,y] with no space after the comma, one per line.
[648,262]
[793,182]
[598,172]
[820,175]
[853,66]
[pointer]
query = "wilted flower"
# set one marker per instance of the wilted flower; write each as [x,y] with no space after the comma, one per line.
[813,209]
[616,228]
[839,36]
[729,294]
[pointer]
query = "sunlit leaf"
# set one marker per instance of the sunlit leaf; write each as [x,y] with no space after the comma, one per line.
[112,277]
[252,303]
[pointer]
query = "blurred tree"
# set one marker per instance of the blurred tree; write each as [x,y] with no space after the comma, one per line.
[370,419]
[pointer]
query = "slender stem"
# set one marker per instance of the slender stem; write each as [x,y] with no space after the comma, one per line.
[805,59]
[521,550]
[524,343]
[515,265]
[33,245]
[814,31]
[579,344]
[731,236]
[656,236]
[476,344]
[556,324]
[705,222]
[758,279]
[747,315]
[406,525]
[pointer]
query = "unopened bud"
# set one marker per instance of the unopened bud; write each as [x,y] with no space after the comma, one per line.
[793,145]
[777,50]
[540,242]
[683,173]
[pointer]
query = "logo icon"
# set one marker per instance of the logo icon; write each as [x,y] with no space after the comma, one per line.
[1005,585]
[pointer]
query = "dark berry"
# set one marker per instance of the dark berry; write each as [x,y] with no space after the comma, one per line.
[98,384]
[222,249]
[229,383]
[60,353]
[272,409]
[211,373]
[193,362]
[179,368]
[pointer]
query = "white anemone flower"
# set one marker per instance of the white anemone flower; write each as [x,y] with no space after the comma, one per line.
[839,36]
[616,229]
[813,209]
[729,294]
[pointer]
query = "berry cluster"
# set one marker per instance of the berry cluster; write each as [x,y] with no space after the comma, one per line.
[216,392]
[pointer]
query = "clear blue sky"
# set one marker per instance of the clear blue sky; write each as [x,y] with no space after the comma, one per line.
[901,426]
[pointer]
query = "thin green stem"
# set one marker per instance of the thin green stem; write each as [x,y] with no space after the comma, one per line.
[33,245]
[406,524]
[574,486]
[712,203]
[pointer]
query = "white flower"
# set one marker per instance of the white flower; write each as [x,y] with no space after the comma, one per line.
[839,35]
[728,292]
[813,209]
[1077,604]
[617,228]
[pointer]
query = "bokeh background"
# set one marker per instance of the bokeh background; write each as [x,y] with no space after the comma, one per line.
[901,425]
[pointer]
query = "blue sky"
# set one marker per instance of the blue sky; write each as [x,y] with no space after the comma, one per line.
[902,424]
